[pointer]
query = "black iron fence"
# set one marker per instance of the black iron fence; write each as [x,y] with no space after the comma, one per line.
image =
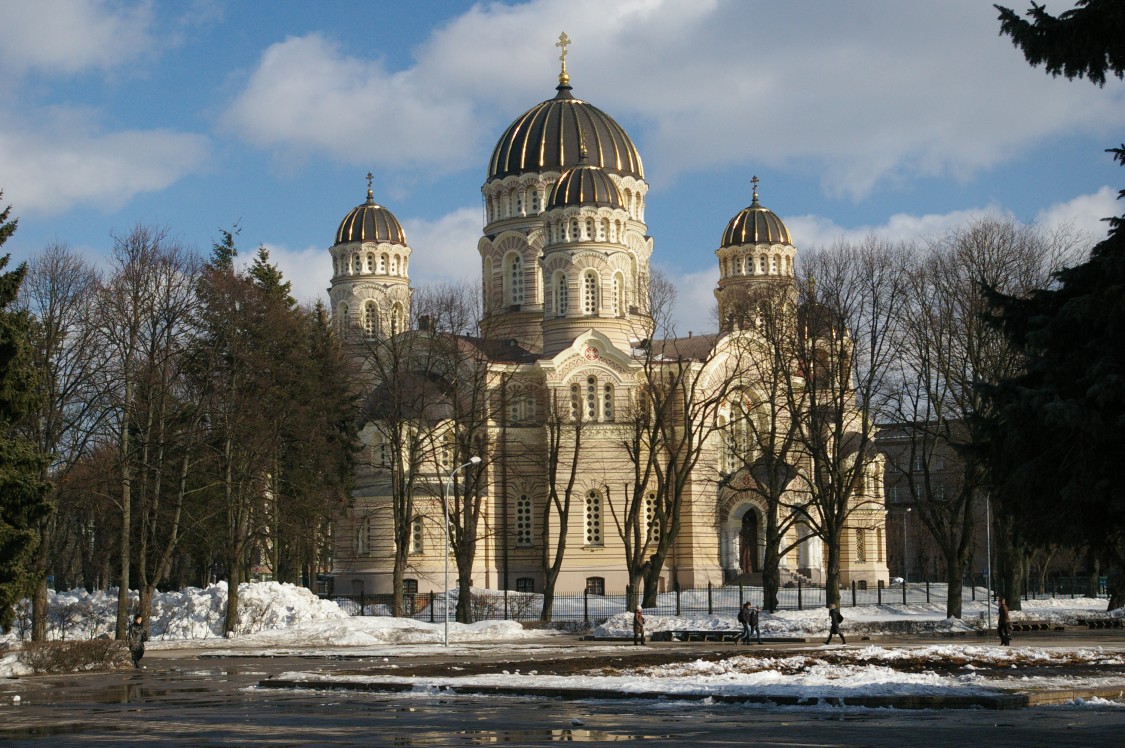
[493,605]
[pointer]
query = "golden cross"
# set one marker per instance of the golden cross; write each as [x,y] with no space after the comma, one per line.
[370,177]
[754,180]
[562,43]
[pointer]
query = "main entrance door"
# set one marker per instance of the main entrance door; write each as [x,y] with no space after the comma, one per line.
[748,542]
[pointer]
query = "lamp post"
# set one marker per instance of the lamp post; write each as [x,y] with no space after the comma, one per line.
[445,513]
[905,547]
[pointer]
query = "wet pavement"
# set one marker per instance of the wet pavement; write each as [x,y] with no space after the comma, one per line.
[196,698]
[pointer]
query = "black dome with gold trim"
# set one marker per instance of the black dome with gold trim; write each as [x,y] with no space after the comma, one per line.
[370,222]
[587,185]
[548,137]
[755,225]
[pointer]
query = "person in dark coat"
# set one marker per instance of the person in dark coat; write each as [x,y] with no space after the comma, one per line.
[753,620]
[135,639]
[638,627]
[744,619]
[1004,623]
[835,618]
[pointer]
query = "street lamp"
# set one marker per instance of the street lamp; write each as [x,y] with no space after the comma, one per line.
[905,548]
[445,513]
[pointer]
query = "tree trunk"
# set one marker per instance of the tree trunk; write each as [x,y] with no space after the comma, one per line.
[771,563]
[954,577]
[832,573]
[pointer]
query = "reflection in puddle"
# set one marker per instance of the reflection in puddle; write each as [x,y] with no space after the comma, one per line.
[520,737]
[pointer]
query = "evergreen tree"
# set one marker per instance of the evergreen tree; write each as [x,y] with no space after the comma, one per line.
[1059,431]
[23,494]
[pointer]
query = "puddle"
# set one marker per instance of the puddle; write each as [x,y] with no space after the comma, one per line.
[522,737]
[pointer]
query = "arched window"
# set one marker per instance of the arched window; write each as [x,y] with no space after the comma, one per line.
[618,295]
[523,521]
[601,229]
[860,546]
[515,279]
[535,201]
[398,319]
[590,292]
[342,318]
[574,229]
[370,319]
[370,263]
[363,537]
[394,264]
[445,450]
[607,402]
[762,264]
[589,229]
[575,402]
[562,294]
[382,263]
[652,519]
[416,536]
[593,518]
[591,399]
[773,265]
[519,203]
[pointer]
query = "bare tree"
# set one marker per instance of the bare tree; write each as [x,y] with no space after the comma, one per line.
[59,291]
[949,351]
[847,343]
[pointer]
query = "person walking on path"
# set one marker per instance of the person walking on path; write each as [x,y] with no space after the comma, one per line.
[135,639]
[835,618]
[744,619]
[753,620]
[638,627]
[1004,623]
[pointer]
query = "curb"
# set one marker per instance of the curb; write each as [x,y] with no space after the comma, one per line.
[995,701]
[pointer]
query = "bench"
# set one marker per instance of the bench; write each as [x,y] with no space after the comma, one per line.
[1036,626]
[1103,623]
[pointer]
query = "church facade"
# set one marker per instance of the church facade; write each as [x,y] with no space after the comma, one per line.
[565,281]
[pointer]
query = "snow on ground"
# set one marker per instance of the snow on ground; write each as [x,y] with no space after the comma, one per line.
[281,619]
[913,618]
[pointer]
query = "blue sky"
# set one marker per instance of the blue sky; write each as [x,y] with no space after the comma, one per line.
[897,118]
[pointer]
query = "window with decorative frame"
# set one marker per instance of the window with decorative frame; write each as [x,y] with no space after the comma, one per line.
[595,586]
[590,292]
[593,518]
[525,584]
[652,520]
[514,275]
[416,527]
[562,294]
[363,537]
[370,319]
[524,531]
[860,545]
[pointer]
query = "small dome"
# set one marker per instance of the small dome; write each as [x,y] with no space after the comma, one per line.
[585,185]
[755,225]
[548,137]
[370,222]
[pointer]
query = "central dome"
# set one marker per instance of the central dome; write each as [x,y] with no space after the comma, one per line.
[755,225]
[585,185]
[549,136]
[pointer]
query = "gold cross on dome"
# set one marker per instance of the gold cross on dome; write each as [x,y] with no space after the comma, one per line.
[370,177]
[562,43]
[754,180]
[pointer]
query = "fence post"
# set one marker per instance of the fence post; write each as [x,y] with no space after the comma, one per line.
[741,599]
[362,605]
[431,606]
[927,592]
[853,593]
[710,603]
[799,602]
[880,592]
[586,606]
[974,590]
[677,600]
[505,605]
[904,591]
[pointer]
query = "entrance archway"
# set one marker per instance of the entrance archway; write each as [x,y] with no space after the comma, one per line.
[748,542]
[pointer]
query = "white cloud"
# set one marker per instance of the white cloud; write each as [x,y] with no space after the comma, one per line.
[65,37]
[63,160]
[1084,213]
[860,96]
[445,250]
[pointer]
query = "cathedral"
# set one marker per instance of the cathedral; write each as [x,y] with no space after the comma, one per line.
[565,268]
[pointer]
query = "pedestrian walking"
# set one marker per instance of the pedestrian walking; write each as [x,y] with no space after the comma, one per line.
[135,639]
[1004,623]
[638,627]
[835,618]
[755,612]
[744,619]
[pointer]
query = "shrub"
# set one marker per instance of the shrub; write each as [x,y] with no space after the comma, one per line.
[75,656]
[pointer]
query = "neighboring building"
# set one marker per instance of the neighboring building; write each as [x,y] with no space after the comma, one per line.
[565,257]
